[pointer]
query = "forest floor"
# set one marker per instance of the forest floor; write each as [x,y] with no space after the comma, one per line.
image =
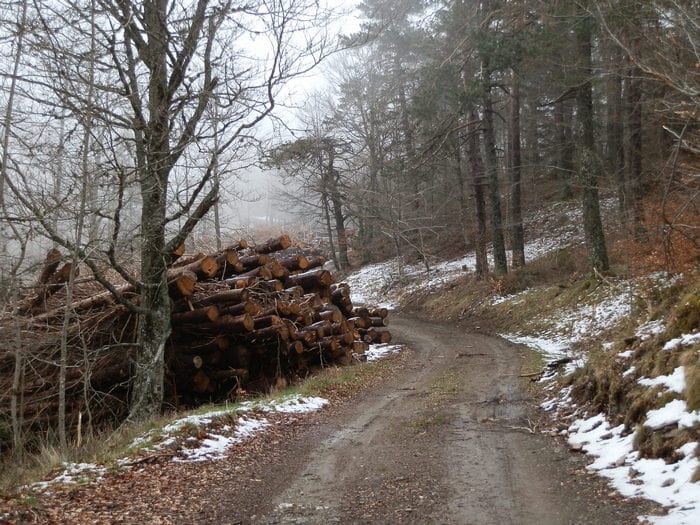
[449,434]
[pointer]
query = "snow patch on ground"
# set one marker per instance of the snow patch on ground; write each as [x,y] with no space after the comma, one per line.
[216,446]
[73,473]
[683,340]
[290,405]
[216,443]
[646,330]
[675,382]
[380,351]
[670,485]
[672,413]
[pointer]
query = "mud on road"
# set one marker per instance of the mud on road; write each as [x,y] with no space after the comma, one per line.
[451,438]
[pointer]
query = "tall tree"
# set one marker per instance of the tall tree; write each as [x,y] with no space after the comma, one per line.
[517,234]
[588,164]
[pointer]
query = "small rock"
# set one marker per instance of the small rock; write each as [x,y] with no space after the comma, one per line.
[668,482]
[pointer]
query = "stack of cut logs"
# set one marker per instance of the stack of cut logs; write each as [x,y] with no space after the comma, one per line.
[243,320]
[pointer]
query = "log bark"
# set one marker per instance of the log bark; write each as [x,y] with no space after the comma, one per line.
[311,279]
[199,315]
[273,245]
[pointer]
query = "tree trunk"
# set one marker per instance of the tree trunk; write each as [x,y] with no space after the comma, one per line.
[461,187]
[331,175]
[476,169]
[633,151]
[329,230]
[588,166]
[154,324]
[517,235]
[500,260]
[614,129]
[565,161]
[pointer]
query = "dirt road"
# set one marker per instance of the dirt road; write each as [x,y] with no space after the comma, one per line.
[448,437]
[448,440]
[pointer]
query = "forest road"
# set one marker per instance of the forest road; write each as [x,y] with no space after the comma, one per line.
[448,439]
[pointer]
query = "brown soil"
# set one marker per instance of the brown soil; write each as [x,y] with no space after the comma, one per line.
[449,437]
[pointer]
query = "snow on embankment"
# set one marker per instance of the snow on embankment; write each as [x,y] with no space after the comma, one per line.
[384,284]
[646,441]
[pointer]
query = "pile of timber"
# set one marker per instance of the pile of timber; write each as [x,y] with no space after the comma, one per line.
[244,320]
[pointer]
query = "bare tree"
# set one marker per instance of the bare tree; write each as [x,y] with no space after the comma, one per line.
[159,67]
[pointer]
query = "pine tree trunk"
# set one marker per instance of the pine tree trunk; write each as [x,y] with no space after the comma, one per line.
[614,128]
[633,151]
[517,235]
[565,161]
[588,165]
[500,260]
[476,169]
[461,187]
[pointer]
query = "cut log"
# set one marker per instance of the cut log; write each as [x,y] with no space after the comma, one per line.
[181,284]
[378,312]
[260,272]
[310,279]
[273,245]
[53,259]
[308,336]
[296,347]
[321,327]
[294,292]
[231,324]
[360,347]
[247,307]
[271,333]
[253,261]
[273,285]
[201,382]
[294,263]
[184,260]
[53,284]
[316,261]
[277,270]
[360,322]
[267,320]
[330,344]
[240,245]
[229,263]
[339,328]
[226,297]
[360,311]
[378,322]
[199,315]
[177,253]
[288,309]
[291,329]
[204,267]
[333,315]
